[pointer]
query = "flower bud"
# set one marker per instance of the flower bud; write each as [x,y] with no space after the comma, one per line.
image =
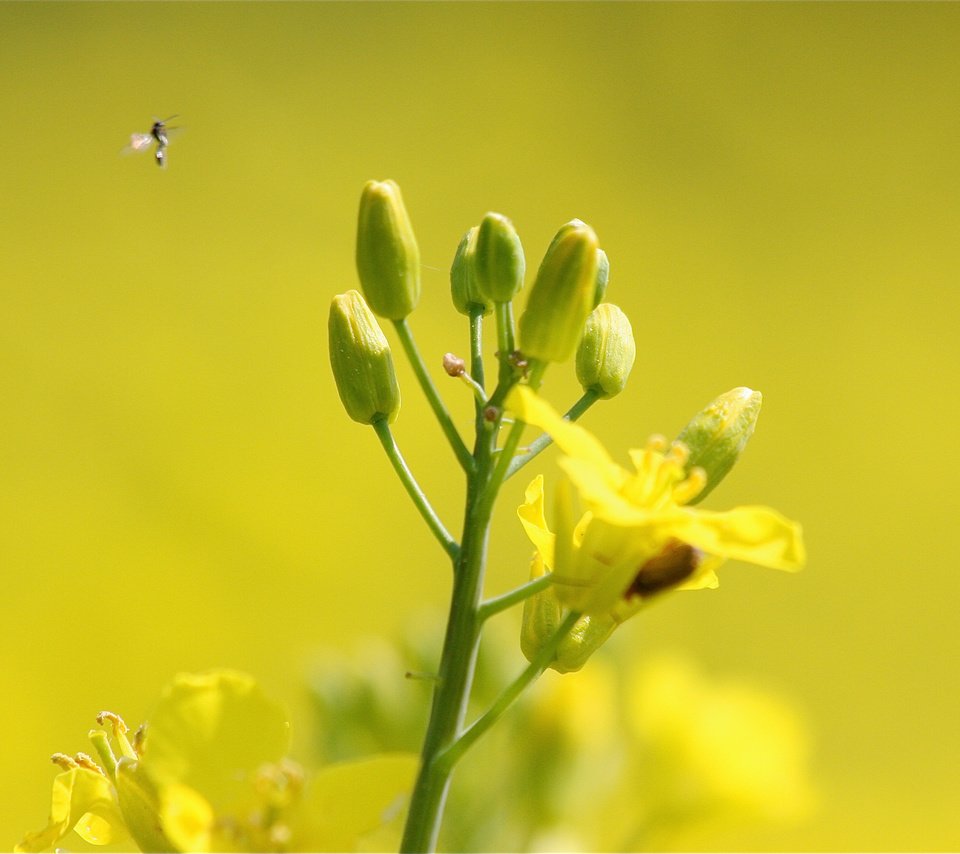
[542,616]
[585,638]
[361,361]
[606,352]
[717,436]
[603,276]
[463,277]
[388,260]
[500,264]
[562,295]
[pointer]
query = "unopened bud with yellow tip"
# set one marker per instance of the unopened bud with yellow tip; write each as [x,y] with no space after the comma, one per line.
[361,361]
[717,435]
[467,298]
[562,295]
[607,351]
[500,264]
[388,259]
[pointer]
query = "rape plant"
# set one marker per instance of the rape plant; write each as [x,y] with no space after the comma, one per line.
[210,772]
[621,537]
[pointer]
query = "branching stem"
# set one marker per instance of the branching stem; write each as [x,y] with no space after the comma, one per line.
[450,545]
[433,396]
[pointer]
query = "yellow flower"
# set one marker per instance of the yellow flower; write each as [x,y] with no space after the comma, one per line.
[719,746]
[636,536]
[209,774]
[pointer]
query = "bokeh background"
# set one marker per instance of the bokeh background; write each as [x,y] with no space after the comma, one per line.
[777,188]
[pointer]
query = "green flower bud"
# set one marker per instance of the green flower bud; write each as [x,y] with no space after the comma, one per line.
[606,352]
[542,616]
[603,276]
[361,361]
[388,260]
[562,295]
[500,263]
[717,436]
[585,638]
[463,277]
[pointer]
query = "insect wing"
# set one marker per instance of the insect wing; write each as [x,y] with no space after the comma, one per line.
[139,142]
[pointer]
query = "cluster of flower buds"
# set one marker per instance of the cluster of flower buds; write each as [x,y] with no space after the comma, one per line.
[564,313]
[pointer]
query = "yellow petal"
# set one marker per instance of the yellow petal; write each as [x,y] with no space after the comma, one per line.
[81,798]
[571,438]
[595,486]
[212,731]
[758,535]
[534,522]
[187,818]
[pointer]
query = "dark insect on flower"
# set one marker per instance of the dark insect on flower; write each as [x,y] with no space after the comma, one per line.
[158,135]
[675,563]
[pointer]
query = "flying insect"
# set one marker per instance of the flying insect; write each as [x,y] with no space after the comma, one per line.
[158,135]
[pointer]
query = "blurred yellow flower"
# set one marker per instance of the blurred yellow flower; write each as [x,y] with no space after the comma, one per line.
[209,774]
[718,745]
[636,537]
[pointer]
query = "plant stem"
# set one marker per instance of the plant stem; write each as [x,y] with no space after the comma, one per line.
[450,545]
[457,662]
[476,346]
[458,659]
[433,396]
[533,671]
[492,607]
[544,441]
[506,453]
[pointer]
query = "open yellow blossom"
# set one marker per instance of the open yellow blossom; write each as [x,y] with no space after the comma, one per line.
[636,536]
[209,774]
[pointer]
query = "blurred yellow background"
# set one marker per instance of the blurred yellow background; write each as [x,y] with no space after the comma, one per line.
[777,189]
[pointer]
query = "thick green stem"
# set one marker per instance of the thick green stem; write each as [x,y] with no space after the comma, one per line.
[457,662]
[432,395]
[458,658]
[450,545]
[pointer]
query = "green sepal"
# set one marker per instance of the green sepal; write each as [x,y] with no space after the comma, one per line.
[361,361]
[140,805]
[388,259]
[603,277]
[467,298]
[562,295]
[717,435]
[607,351]
[500,263]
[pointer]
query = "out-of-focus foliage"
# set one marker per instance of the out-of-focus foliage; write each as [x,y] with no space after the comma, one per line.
[619,757]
